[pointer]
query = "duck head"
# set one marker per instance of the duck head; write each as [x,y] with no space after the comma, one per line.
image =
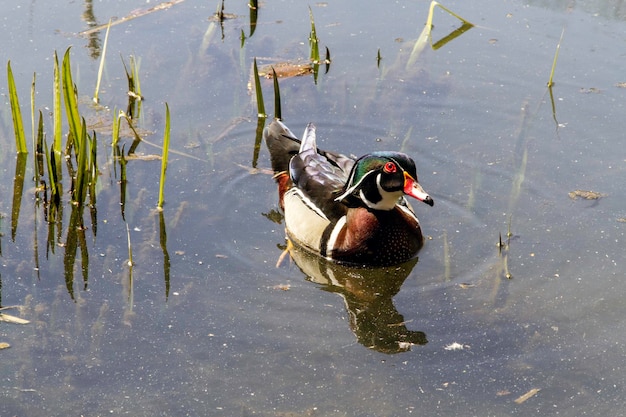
[378,180]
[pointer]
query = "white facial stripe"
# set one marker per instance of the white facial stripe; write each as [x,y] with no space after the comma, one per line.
[351,189]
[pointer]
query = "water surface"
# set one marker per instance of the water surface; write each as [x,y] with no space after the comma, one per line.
[224,331]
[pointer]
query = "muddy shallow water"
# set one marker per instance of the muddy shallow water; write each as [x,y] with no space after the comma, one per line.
[468,329]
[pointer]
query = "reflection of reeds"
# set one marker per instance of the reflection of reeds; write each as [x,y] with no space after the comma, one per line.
[81,155]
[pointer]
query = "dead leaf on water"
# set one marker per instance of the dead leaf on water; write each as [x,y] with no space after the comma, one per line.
[141,157]
[12,319]
[4,345]
[286,69]
[584,194]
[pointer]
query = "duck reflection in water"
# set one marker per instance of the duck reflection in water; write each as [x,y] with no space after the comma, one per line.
[368,294]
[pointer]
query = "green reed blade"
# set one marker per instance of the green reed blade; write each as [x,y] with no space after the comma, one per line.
[16,113]
[56,108]
[71,104]
[556,56]
[277,110]
[116,127]
[313,40]
[166,147]
[259,93]
[101,67]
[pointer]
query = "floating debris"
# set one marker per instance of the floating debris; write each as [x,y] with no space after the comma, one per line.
[286,70]
[12,319]
[587,195]
[456,346]
[527,396]
[4,345]
[284,287]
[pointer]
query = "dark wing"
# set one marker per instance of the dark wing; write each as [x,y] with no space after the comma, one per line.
[282,145]
[319,178]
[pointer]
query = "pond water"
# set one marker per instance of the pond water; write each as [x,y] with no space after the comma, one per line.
[205,323]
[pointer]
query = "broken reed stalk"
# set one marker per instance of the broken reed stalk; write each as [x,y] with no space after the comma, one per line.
[166,146]
[16,113]
[96,100]
[425,36]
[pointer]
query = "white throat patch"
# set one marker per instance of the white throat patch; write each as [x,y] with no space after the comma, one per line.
[388,201]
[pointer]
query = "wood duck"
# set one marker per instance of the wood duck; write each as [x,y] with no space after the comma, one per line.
[345,209]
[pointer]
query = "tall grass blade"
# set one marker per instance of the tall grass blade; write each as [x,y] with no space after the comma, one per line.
[71,104]
[16,113]
[277,110]
[56,111]
[115,135]
[556,57]
[259,93]
[166,147]
[101,67]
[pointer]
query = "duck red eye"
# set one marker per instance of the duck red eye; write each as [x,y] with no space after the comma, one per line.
[389,167]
